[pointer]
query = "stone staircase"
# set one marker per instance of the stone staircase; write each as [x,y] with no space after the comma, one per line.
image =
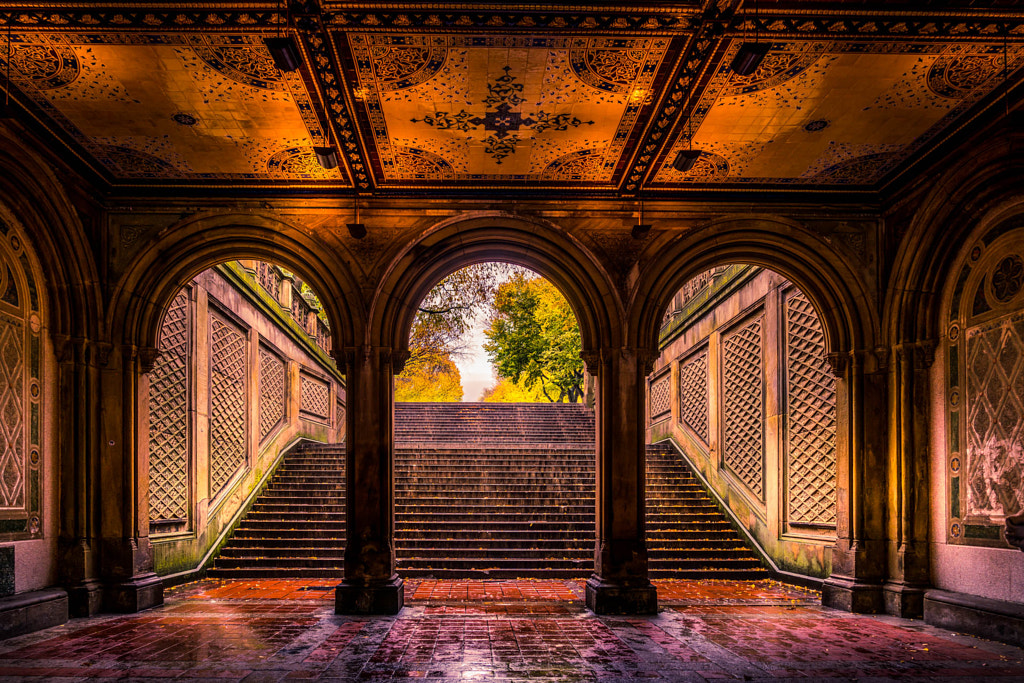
[688,536]
[485,491]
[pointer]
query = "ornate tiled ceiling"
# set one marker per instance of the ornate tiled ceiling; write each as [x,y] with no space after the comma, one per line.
[478,97]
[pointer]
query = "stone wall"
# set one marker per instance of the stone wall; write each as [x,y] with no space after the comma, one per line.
[238,380]
[742,386]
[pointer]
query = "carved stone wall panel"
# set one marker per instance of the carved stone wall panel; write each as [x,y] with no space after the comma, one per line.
[273,391]
[743,404]
[693,393]
[985,389]
[995,420]
[661,396]
[314,397]
[811,418]
[169,452]
[20,391]
[227,401]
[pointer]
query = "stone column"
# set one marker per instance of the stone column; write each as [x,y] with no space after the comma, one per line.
[130,583]
[371,585]
[620,584]
[77,411]
[858,559]
[908,569]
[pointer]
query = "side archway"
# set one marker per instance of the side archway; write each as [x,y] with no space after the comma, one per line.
[838,291]
[183,250]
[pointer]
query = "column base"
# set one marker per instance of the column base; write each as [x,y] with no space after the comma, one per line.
[617,598]
[138,593]
[387,597]
[85,599]
[851,595]
[904,600]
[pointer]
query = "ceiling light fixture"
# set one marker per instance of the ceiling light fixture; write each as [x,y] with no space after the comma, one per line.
[283,49]
[641,228]
[750,55]
[326,157]
[356,229]
[686,158]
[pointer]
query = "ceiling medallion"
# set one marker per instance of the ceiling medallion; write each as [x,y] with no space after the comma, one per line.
[815,126]
[185,119]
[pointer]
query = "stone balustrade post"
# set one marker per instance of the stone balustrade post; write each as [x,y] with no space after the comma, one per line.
[620,584]
[371,585]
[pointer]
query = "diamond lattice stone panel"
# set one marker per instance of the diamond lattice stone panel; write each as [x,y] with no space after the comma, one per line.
[272,391]
[693,393]
[661,392]
[227,402]
[811,432]
[12,414]
[314,397]
[743,405]
[168,417]
[995,414]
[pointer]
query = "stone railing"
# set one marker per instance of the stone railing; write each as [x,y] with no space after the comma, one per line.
[284,288]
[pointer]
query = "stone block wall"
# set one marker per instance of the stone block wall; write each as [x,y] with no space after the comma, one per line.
[238,381]
[742,386]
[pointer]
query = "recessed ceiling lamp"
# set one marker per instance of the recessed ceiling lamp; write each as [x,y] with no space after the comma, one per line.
[326,157]
[641,228]
[750,55]
[686,158]
[282,49]
[356,229]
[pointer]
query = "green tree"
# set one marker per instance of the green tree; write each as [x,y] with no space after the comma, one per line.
[439,329]
[534,338]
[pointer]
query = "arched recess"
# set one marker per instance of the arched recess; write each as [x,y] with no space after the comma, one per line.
[496,236]
[942,298]
[838,291]
[36,203]
[185,249]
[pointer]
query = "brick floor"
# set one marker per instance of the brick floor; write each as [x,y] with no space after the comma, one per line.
[270,630]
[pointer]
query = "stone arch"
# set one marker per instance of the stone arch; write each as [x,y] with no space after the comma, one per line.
[835,288]
[37,201]
[982,192]
[182,251]
[497,236]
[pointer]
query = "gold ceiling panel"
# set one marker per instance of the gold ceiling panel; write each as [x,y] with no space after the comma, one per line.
[503,108]
[174,107]
[832,113]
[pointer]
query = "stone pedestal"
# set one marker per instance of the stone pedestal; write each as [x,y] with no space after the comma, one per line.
[139,593]
[605,597]
[383,597]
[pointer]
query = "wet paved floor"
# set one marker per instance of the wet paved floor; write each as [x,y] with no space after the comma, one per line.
[501,631]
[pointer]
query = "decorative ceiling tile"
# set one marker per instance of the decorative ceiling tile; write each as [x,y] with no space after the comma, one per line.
[832,113]
[174,107]
[486,107]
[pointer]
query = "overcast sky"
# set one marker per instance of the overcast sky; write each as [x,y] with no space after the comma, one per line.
[473,364]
